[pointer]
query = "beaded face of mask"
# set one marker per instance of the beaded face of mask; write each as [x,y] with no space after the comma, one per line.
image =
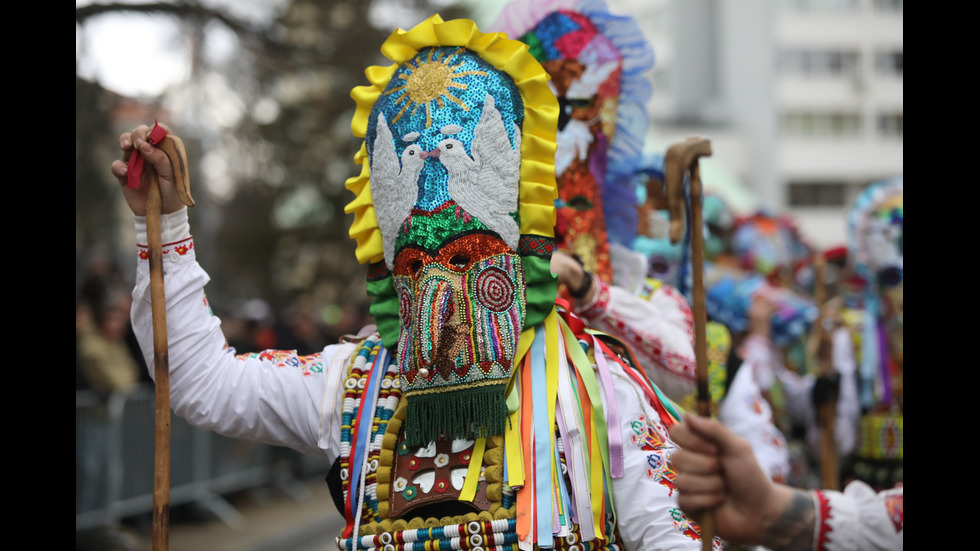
[585,68]
[445,172]
[461,311]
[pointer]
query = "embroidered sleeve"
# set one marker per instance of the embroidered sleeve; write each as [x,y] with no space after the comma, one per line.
[757,353]
[274,397]
[848,403]
[746,413]
[859,518]
[654,521]
[659,331]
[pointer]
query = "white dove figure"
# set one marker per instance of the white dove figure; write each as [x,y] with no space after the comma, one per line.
[487,185]
[394,185]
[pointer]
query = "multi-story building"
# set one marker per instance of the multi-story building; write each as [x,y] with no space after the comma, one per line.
[802,98]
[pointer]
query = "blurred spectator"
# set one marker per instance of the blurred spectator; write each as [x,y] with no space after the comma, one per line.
[100,276]
[301,331]
[258,326]
[105,361]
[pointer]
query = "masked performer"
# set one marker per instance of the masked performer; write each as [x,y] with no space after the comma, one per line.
[476,414]
[597,61]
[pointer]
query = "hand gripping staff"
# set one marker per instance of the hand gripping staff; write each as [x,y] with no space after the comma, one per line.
[174,148]
[681,159]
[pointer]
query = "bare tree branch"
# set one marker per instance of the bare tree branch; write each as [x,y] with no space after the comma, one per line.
[250,35]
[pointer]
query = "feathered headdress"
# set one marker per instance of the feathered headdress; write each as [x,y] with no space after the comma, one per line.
[627,125]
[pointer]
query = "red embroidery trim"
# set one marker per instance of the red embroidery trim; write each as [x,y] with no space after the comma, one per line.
[824,512]
[682,304]
[895,505]
[651,347]
[181,247]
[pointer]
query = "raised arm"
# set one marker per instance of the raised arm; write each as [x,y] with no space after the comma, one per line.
[274,397]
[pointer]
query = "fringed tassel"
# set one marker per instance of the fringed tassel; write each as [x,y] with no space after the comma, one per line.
[469,413]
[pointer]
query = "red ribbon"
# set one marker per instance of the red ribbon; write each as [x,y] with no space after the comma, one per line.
[134,174]
[574,322]
[578,327]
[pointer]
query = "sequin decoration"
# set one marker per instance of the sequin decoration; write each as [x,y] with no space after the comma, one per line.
[440,93]
[597,61]
[585,69]
[463,319]
[466,302]
[495,290]
[485,103]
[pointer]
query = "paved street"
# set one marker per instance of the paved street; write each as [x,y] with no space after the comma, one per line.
[267,520]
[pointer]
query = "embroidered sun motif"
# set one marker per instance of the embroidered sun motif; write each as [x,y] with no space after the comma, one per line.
[429,81]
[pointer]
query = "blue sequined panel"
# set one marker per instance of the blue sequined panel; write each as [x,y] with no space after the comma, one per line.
[439,88]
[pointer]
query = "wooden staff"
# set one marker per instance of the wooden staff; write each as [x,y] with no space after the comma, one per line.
[174,148]
[680,160]
[826,410]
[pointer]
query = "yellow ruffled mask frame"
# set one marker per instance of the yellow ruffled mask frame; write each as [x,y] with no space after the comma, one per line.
[538,189]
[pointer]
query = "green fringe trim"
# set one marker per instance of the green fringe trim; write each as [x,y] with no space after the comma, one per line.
[384,309]
[542,288]
[464,413]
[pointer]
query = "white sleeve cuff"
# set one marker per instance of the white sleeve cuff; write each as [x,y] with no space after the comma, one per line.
[173,227]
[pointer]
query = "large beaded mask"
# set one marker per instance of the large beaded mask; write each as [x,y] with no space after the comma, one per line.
[876,231]
[454,141]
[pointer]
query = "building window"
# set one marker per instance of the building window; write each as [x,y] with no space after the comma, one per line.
[820,125]
[817,62]
[891,125]
[817,194]
[889,63]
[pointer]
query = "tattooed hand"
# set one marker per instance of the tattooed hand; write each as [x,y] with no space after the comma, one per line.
[718,473]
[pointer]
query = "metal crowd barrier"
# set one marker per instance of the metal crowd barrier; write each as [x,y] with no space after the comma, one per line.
[114,453]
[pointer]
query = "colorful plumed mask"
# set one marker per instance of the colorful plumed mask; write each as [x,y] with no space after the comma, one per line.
[664,260]
[876,228]
[770,245]
[596,61]
[455,215]
[718,221]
